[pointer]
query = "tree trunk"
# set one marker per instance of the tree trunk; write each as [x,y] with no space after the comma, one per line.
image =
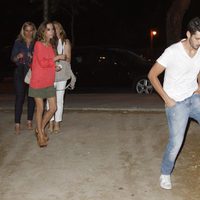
[45,10]
[175,16]
[72,31]
[72,26]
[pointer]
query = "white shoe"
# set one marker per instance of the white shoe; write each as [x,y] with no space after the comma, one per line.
[165,182]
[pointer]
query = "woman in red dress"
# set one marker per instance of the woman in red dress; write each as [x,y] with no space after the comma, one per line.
[43,77]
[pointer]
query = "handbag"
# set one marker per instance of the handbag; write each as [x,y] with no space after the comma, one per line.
[28,77]
[65,73]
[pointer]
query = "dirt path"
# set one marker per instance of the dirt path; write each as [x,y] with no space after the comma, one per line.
[98,156]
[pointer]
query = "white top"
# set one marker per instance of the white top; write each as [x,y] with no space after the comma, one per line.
[180,80]
[68,70]
[60,47]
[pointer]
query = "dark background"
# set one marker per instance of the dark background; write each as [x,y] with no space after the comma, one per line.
[118,23]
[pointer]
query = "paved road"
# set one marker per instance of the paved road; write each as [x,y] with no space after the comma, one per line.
[113,100]
[100,101]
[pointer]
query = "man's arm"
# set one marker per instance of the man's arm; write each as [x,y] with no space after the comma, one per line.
[155,71]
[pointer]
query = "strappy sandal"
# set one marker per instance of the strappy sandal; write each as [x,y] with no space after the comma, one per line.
[42,142]
[17,129]
[56,128]
[29,125]
[44,134]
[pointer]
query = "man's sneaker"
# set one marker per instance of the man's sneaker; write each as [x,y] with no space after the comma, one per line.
[165,182]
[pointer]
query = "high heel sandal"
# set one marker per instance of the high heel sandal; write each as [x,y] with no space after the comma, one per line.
[44,134]
[56,127]
[42,142]
[17,129]
[29,125]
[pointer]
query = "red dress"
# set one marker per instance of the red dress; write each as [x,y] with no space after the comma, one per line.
[43,66]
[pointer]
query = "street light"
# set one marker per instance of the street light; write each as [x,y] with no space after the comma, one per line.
[153,33]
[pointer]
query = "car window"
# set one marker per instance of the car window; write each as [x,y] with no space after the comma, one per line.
[107,58]
[130,57]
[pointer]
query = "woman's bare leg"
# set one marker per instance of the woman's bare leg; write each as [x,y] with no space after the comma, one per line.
[39,113]
[50,112]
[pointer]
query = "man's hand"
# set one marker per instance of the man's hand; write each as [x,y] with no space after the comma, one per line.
[170,103]
[197,91]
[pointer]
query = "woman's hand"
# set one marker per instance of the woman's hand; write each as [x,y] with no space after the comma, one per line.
[60,57]
[56,58]
[63,57]
[20,56]
[58,67]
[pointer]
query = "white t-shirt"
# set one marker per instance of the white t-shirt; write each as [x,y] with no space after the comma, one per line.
[180,79]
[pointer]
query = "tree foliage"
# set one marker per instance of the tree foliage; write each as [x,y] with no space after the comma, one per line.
[69,7]
[175,16]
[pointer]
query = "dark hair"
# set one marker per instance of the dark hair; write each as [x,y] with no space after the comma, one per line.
[41,34]
[194,25]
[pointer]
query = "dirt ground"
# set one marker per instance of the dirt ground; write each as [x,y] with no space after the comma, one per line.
[98,156]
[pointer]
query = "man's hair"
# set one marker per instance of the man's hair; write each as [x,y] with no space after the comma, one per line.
[194,25]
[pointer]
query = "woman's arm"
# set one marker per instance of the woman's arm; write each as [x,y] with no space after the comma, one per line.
[43,55]
[15,54]
[67,51]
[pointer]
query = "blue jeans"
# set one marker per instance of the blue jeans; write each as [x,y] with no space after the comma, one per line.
[177,117]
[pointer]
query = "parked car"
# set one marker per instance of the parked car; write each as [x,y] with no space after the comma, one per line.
[99,67]
[111,67]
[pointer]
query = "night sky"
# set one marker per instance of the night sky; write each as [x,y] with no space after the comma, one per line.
[114,22]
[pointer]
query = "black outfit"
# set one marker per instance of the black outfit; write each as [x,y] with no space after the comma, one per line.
[21,88]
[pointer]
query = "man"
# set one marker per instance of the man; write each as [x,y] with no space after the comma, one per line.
[180,92]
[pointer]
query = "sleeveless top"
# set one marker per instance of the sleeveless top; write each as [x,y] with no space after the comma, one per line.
[60,47]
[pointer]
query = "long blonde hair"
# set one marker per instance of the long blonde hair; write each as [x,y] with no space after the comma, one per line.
[21,35]
[62,33]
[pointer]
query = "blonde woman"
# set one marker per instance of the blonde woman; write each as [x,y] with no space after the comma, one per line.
[63,48]
[22,55]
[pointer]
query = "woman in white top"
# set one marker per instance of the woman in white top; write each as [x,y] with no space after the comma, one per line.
[63,47]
